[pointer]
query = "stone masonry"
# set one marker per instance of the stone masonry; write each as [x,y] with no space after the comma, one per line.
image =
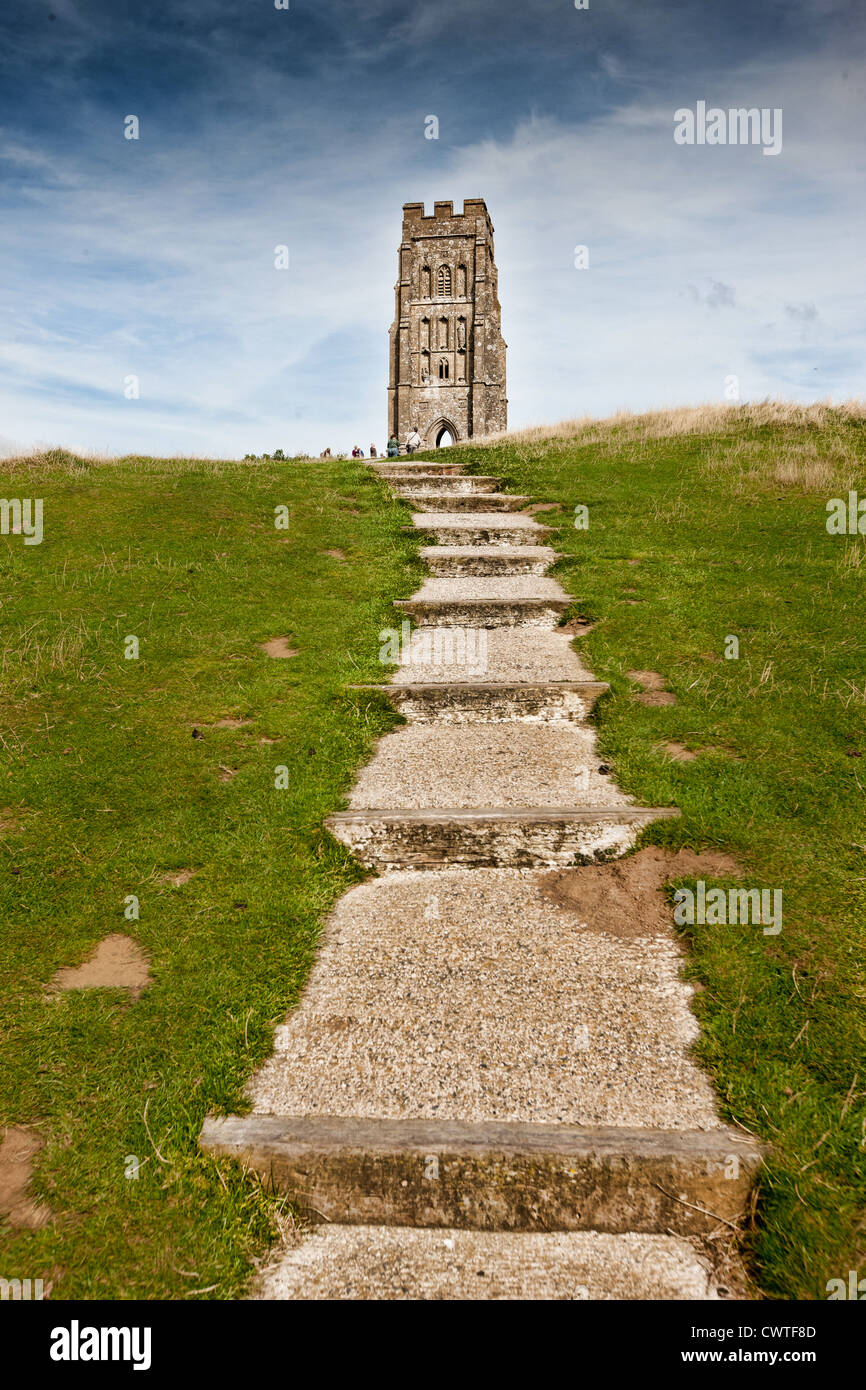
[447,358]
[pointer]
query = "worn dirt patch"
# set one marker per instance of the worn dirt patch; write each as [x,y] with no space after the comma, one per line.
[336,554]
[541,507]
[578,627]
[678,751]
[649,680]
[177,878]
[632,562]
[18,1148]
[624,898]
[118,962]
[9,825]
[265,739]
[653,684]
[710,656]
[227,773]
[278,646]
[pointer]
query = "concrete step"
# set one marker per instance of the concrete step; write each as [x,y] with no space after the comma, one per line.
[525,655]
[458,702]
[398,1263]
[488,529]
[495,1176]
[467,502]
[484,612]
[431,766]
[494,837]
[385,468]
[448,561]
[409,485]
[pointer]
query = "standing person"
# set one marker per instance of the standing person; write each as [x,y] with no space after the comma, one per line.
[373,454]
[393,447]
[413,440]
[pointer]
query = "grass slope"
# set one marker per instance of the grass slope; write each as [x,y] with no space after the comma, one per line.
[104,789]
[705,524]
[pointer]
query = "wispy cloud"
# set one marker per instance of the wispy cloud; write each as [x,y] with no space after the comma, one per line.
[155,257]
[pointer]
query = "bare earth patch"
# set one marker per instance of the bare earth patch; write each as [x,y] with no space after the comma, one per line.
[231,723]
[18,1149]
[540,507]
[653,684]
[678,752]
[118,962]
[278,646]
[336,554]
[624,898]
[227,773]
[578,627]
[177,878]
[8,823]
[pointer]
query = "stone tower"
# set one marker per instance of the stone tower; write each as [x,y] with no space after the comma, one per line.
[447,372]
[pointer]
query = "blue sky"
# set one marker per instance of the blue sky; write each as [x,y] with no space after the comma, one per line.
[306,127]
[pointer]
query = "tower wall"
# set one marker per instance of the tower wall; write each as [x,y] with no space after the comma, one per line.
[447,360]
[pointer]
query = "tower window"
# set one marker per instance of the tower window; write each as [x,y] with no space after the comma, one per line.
[443,280]
[443,370]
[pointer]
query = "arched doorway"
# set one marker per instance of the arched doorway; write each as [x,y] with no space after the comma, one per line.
[445,437]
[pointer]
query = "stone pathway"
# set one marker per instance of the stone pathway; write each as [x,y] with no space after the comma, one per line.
[479,1094]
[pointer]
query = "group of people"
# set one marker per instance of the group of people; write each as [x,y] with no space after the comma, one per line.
[413,442]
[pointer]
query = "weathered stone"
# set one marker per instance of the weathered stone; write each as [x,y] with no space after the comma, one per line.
[467,702]
[447,353]
[542,837]
[496,1176]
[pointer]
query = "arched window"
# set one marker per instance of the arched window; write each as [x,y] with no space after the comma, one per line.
[443,369]
[425,282]
[425,366]
[425,333]
[461,281]
[443,333]
[443,280]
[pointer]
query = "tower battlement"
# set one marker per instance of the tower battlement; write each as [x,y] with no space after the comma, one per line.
[447,362]
[416,217]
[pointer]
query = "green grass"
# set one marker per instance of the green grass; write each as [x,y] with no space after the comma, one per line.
[104,789]
[724,511]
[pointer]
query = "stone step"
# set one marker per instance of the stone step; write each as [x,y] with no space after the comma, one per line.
[494,837]
[467,502]
[448,561]
[435,766]
[493,1175]
[510,655]
[459,702]
[489,529]
[404,465]
[411,486]
[485,612]
[399,1263]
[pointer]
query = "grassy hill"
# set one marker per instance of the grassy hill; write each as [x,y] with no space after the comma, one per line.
[118,776]
[705,524]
